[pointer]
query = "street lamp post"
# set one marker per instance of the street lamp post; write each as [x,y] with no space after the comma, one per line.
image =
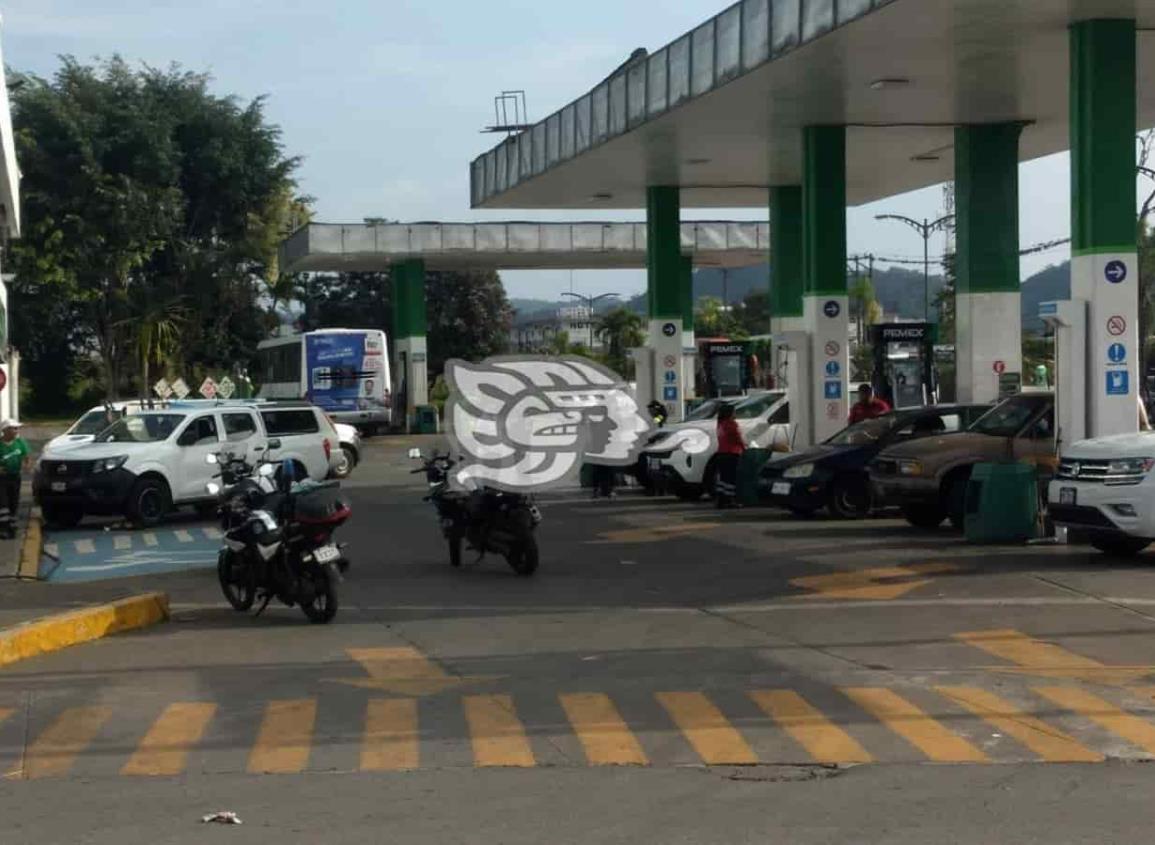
[589,303]
[925,228]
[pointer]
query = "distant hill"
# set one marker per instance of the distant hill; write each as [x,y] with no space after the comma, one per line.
[899,291]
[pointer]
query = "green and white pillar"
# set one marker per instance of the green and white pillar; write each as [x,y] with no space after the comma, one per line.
[786,284]
[825,298]
[667,299]
[689,340]
[988,322]
[410,350]
[1104,267]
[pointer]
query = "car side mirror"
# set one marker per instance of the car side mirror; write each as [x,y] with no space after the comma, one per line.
[211,458]
[415,454]
[275,443]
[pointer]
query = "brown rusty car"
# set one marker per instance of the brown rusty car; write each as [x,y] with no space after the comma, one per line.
[928,478]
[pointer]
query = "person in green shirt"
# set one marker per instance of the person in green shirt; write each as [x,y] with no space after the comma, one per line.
[13,458]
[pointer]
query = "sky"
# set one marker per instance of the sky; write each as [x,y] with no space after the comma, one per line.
[384,99]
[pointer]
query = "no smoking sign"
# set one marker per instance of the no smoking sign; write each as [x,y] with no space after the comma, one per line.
[1116,326]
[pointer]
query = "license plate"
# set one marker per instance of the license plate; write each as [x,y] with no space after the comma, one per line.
[780,488]
[59,486]
[327,554]
[655,464]
[1068,496]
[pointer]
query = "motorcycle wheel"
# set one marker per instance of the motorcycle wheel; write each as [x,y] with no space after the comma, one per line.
[454,540]
[322,607]
[523,557]
[240,593]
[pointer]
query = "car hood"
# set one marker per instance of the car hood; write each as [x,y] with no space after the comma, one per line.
[1139,445]
[812,455]
[66,441]
[956,441]
[94,451]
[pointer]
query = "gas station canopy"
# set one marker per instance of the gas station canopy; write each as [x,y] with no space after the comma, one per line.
[718,112]
[321,247]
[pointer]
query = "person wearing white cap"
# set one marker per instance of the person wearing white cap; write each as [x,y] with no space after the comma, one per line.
[13,458]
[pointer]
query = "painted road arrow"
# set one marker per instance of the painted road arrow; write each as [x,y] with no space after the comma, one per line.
[1046,660]
[404,671]
[882,584]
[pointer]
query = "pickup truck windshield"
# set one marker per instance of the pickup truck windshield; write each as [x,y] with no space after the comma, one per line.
[94,422]
[141,428]
[1008,418]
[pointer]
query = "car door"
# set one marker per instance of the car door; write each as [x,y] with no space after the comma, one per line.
[200,438]
[242,434]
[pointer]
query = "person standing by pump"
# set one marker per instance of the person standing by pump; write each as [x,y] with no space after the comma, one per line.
[730,450]
[13,458]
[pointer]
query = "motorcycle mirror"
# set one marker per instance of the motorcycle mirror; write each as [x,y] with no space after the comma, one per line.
[275,443]
[415,454]
[211,458]
[267,470]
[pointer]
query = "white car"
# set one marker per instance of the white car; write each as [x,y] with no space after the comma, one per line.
[147,463]
[683,453]
[1104,492]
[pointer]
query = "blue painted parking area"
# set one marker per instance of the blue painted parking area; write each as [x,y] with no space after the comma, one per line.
[95,555]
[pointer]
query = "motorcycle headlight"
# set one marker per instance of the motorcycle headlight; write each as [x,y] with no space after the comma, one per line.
[213,489]
[109,464]
[799,471]
[913,468]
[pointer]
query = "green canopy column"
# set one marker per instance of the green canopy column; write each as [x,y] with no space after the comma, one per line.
[410,370]
[988,323]
[689,341]
[825,301]
[1104,265]
[786,284]
[667,276]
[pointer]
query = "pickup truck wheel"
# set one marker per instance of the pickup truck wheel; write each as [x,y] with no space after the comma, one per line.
[923,516]
[1116,546]
[149,503]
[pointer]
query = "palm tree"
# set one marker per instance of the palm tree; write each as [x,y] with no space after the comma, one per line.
[157,326]
[620,330]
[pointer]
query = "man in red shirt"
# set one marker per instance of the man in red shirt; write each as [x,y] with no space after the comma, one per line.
[730,449]
[868,406]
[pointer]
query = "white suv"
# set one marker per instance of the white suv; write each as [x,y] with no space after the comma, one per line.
[148,462]
[1104,492]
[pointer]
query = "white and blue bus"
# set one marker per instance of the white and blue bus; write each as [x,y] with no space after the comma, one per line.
[345,372]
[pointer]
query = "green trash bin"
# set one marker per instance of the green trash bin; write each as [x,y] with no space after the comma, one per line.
[426,420]
[587,476]
[1002,503]
[748,469]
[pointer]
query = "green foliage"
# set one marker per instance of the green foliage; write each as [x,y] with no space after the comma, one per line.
[155,211]
[620,330]
[469,316]
[713,319]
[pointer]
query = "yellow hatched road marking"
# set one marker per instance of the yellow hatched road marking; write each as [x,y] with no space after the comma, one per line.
[54,751]
[150,539]
[707,730]
[825,741]
[165,748]
[84,547]
[1047,741]
[183,536]
[1046,660]
[1137,731]
[908,721]
[286,732]
[121,542]
[497,734]
[604,735]
[881,584]
[390,740]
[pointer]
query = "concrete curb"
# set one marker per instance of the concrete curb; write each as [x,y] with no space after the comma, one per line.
[31,549]
[52,633]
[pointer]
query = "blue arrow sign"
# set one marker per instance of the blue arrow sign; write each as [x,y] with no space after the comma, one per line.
[1116,272]
[832,309]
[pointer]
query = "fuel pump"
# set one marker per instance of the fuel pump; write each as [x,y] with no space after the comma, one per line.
[904,371]
[1068,318]
[726,367]
[794,373]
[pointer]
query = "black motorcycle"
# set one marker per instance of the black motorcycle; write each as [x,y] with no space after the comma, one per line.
[488,520]
[278,538]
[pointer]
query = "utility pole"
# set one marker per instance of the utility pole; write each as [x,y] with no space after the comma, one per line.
[926,228]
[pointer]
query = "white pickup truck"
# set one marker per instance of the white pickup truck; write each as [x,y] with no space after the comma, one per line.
[1104,492]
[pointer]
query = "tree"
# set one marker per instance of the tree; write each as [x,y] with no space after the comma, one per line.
[753,314]
[469,316]
[713,319]
[620,330]
[144,187]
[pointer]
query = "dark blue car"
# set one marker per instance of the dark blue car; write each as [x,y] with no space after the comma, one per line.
[833,475]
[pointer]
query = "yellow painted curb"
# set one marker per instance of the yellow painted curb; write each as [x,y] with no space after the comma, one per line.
[52,633]
[31,550]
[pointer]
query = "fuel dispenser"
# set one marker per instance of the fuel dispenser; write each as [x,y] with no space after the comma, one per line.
[727,368]
[1068,318]
[904,372]
[793,371]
